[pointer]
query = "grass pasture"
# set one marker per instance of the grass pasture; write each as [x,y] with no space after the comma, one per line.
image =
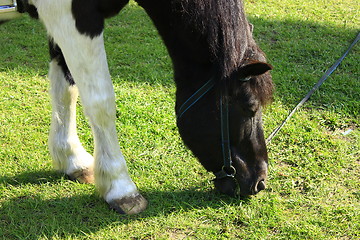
[313,187]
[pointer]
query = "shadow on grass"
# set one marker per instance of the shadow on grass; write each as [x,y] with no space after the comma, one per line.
[37,177]
[32,216]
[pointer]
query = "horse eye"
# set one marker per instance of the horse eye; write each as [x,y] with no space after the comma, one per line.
[250,108]
[249,112]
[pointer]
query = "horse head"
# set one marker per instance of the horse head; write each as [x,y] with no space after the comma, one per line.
[201,128]
[229,61]
[248,91]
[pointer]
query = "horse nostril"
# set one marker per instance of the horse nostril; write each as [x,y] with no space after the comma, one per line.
[261,185]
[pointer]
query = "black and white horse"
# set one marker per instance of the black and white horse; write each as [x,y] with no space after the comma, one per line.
[222,83]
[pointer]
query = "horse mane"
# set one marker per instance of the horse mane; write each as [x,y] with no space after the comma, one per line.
[229,35]
[222,22]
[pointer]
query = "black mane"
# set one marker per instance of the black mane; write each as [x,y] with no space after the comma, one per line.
[223,23]
[229,36]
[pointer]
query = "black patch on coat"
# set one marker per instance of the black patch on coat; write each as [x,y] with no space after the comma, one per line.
[88,19]
[23,6]
[56,54]
[90,14]
[110,8]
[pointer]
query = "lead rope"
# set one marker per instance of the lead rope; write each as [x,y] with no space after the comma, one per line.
[317,85]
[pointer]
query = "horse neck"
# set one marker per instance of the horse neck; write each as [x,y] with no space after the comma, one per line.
[215,30]
[191,42]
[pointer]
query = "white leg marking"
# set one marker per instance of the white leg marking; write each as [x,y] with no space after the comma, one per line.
[86,59]
[65,148]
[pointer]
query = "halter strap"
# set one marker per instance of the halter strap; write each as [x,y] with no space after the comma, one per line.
[227,170]
[195,97]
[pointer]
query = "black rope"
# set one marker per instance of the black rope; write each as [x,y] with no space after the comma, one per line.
[317,85]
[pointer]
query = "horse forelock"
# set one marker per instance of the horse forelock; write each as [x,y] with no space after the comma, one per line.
[225,27]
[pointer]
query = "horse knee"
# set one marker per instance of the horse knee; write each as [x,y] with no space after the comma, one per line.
[100,111]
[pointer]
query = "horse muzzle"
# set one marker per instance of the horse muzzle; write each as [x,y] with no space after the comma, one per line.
[253,184]
[232,186]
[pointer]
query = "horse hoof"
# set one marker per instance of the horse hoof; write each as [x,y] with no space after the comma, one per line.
[83,176]
[129,205]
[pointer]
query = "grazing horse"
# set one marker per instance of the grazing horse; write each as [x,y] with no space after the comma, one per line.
[222,81]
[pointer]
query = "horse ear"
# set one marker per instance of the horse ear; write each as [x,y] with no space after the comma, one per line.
[254,68]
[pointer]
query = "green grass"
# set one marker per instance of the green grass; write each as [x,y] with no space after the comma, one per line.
[313,186]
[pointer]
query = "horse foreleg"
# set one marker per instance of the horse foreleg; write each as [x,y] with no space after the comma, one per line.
[67,153]
[86,59]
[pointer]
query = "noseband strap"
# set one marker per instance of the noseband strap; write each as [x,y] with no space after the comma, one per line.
[227,169]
